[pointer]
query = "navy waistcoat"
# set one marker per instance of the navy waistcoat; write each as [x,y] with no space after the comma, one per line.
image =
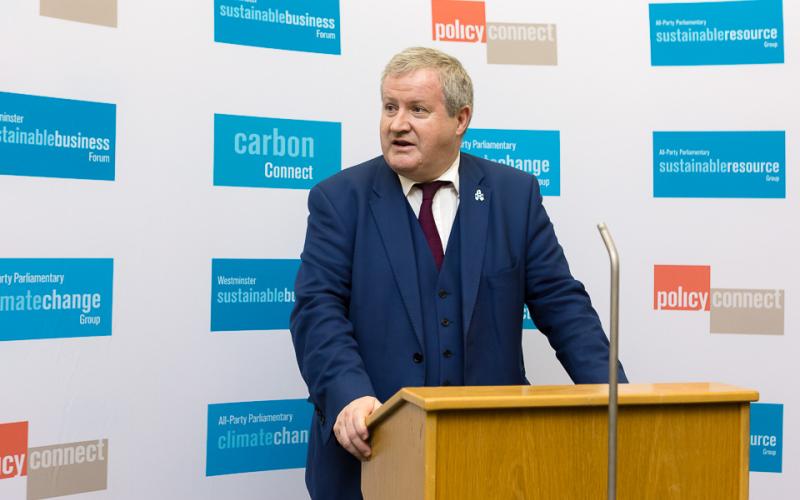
[440,297]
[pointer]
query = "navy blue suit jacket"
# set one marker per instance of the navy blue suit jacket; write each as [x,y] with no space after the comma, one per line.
[357,321]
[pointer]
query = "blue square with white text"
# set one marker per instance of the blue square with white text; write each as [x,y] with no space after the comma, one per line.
[766,437]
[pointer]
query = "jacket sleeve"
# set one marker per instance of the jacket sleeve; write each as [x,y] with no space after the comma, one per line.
[326,350]
[559,304]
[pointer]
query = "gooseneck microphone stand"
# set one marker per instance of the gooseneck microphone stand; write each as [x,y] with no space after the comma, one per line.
[612,362]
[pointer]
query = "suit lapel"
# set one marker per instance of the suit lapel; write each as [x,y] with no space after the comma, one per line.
[474,207]
[389,209]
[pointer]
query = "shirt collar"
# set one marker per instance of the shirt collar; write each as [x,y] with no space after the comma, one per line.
[450,175]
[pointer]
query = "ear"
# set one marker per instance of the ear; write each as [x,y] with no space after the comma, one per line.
[464,116]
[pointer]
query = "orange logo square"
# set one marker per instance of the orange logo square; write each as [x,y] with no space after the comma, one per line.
[459,21]
[13,449]
[681,288]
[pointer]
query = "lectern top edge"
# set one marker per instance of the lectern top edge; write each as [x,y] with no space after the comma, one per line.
[487,397]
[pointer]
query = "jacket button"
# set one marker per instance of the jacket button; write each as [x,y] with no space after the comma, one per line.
[442,293]
[417,357]
[447,353]
[445,322]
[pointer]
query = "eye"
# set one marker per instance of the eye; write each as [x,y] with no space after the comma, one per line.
[419,109]
[389,107]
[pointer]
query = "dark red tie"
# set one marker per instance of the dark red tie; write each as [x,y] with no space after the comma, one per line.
[426,220]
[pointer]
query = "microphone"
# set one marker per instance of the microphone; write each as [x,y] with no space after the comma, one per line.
[612,361]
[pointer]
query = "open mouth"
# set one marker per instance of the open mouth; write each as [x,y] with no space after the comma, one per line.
[402,143]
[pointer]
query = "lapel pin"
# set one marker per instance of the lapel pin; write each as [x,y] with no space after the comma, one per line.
[479,195]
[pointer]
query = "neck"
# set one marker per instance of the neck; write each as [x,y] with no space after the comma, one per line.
[439,171]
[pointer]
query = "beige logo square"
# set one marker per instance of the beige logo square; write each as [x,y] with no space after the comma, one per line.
[747,311]
[513,43]
[67,469]
[102,12]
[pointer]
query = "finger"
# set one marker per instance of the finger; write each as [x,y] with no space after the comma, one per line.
[345,436]
[360,426]
[362,447]
[337,427]
[350,447]
[353,435]
[340,432]
[344,440]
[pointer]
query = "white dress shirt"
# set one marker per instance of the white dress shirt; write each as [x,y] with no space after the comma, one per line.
[445,201]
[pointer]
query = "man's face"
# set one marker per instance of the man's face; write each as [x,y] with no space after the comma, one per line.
[418,138]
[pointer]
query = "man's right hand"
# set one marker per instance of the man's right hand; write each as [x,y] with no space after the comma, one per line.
[350,428]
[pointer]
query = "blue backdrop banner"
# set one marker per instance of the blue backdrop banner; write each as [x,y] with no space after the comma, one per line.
[252,294]
[537,152]
[55,298]
[719,164]
[257,436]
[275,152]
[52,137]
[766,437]
[307,26]
[710,33]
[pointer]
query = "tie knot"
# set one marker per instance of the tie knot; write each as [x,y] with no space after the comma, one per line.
[429,188]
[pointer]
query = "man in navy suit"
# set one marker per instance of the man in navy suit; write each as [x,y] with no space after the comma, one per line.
[416,268]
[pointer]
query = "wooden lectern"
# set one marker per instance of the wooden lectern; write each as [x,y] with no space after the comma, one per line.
[550,442]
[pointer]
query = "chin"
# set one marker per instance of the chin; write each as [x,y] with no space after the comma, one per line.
[402,165]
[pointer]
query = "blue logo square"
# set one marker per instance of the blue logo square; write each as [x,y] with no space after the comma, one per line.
[257,436]
[766,437]
[55,298]
[712,33]
[302,25]
[537,152]
[275,152]
[52,137]
[527,319]
[252,294]
[725,164]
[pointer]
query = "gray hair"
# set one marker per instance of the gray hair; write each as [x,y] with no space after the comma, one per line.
[456,83]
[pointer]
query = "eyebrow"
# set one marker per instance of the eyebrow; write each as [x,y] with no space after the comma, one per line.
[410,103]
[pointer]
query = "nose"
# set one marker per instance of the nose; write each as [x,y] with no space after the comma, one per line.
[399,123]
